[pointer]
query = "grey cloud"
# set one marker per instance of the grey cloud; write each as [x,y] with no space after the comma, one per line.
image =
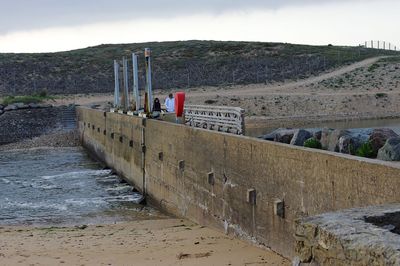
[33,14]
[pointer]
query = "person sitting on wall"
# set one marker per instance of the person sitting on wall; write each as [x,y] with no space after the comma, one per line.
[170,103]
[156,105]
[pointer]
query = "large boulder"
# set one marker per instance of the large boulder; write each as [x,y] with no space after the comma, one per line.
[348,144]
[390,151]
[379,137]
[45,105]
[317,134]
[10,107]
[33,105]
[330,138]
[21,106]
[272,136]
[284,135]
[300,135]
[1,112]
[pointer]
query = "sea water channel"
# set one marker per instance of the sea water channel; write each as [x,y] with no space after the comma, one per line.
[63,186]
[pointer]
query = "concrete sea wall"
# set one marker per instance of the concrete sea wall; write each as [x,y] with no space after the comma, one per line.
[237,184]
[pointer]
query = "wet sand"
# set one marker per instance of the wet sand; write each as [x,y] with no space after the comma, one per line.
[150,242]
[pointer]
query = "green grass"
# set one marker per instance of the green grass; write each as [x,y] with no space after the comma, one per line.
[313,143]
[25,99]
[366,150]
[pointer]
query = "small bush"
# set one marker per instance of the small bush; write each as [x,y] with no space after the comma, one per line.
[373,67]
[365,150]
[313,143]
[380,95]
[43,93]
[210,101]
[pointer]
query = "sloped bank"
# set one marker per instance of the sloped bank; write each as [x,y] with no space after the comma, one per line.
[20,122]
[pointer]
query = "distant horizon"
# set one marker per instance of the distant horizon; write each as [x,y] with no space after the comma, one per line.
[55,26]
[199,40]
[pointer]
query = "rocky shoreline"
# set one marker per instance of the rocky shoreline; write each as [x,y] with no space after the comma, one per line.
[24,126]
[379,143]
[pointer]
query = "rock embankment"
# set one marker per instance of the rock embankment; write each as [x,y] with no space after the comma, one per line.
[26,122]
[380,143]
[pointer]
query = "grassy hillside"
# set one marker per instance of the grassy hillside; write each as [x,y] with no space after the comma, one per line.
[175,65]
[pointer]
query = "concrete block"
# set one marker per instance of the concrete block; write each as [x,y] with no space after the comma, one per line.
[251,196]
[279,208]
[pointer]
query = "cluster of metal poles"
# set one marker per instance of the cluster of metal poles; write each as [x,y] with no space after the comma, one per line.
[122,98]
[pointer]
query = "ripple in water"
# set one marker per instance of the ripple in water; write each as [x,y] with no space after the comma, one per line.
[64,186]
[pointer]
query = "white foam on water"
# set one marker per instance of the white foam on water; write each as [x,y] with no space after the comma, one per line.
[5,180]
[37,205]
[79,174]
[86,201]
[120,188]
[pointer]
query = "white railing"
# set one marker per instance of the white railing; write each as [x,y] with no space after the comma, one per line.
[219,118]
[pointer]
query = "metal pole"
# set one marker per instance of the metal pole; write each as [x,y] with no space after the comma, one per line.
[116,88]
[147,54]
[126,84]
[372,44]
[366,46]
[378,44]
[135,80]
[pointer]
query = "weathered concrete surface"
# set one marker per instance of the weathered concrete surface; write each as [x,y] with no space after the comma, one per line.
[345,238]
[206,176]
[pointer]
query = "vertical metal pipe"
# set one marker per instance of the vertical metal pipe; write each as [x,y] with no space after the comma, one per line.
[126,84]
[116,88]
[136,80]
[147,54]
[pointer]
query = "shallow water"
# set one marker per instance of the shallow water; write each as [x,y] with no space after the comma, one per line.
[64,186]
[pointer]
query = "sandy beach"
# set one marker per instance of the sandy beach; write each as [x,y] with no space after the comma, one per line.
[150,242]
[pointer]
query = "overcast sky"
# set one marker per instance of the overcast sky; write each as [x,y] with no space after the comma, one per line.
[56,25]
